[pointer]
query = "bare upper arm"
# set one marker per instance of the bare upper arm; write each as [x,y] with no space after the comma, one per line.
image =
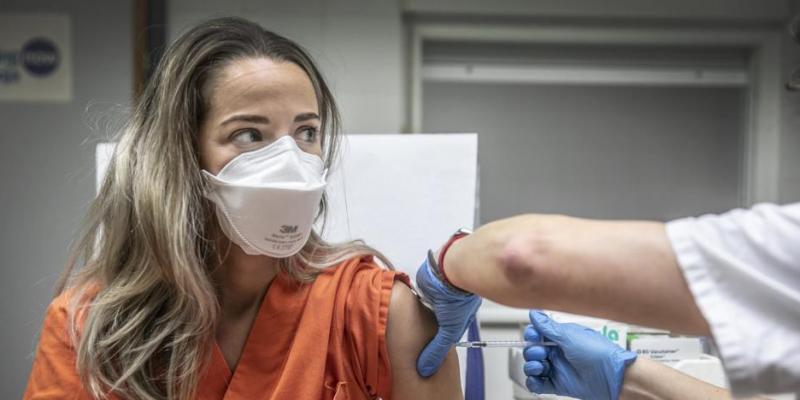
[410,327]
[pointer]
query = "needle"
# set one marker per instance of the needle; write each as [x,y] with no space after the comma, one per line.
[503,343]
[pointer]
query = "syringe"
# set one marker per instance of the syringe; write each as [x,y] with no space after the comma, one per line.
[503,343]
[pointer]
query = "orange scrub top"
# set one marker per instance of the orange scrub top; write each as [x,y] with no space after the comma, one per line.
[323,340]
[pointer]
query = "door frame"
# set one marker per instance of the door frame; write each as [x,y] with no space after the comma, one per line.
[761,136]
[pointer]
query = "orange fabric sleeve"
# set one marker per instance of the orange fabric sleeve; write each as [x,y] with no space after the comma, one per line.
[367,315]
[54,375]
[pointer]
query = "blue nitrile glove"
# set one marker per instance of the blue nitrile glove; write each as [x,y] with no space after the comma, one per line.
[585,364]
[454,311]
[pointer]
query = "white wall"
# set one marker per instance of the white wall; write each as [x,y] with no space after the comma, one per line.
[599,152]
[358,45]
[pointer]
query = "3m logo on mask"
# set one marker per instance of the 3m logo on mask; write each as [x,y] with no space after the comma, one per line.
[287,229]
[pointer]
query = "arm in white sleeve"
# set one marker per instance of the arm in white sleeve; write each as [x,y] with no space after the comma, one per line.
[743,268]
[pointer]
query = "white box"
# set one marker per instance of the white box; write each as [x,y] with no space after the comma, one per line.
[668,350]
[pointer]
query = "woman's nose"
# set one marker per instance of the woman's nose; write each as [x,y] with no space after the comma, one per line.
[281,132]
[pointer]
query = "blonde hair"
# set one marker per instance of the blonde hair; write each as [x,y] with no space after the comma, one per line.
[144,307]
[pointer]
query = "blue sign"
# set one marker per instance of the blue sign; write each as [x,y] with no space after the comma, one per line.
[39,56]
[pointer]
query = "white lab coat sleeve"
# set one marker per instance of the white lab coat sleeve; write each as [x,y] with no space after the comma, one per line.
[743,268]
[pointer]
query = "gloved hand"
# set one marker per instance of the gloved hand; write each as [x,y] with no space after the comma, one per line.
[454,311]
[585,364]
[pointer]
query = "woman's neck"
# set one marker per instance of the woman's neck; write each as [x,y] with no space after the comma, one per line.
[243,280]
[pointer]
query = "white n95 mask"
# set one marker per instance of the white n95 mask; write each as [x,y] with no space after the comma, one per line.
[267,199]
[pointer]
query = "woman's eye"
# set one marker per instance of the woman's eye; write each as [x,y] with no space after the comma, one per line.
[246,137]
[307,134]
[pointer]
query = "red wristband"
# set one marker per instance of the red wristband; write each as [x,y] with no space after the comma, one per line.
[446,246]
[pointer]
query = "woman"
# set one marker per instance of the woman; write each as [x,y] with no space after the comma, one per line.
[203,277]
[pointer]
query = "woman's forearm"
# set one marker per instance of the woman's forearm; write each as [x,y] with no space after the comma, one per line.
[625,271]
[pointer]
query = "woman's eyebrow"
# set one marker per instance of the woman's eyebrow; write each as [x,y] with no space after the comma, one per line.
[305,117]
[252,118]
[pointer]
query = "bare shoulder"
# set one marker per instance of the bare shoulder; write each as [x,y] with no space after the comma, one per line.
[410,327]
